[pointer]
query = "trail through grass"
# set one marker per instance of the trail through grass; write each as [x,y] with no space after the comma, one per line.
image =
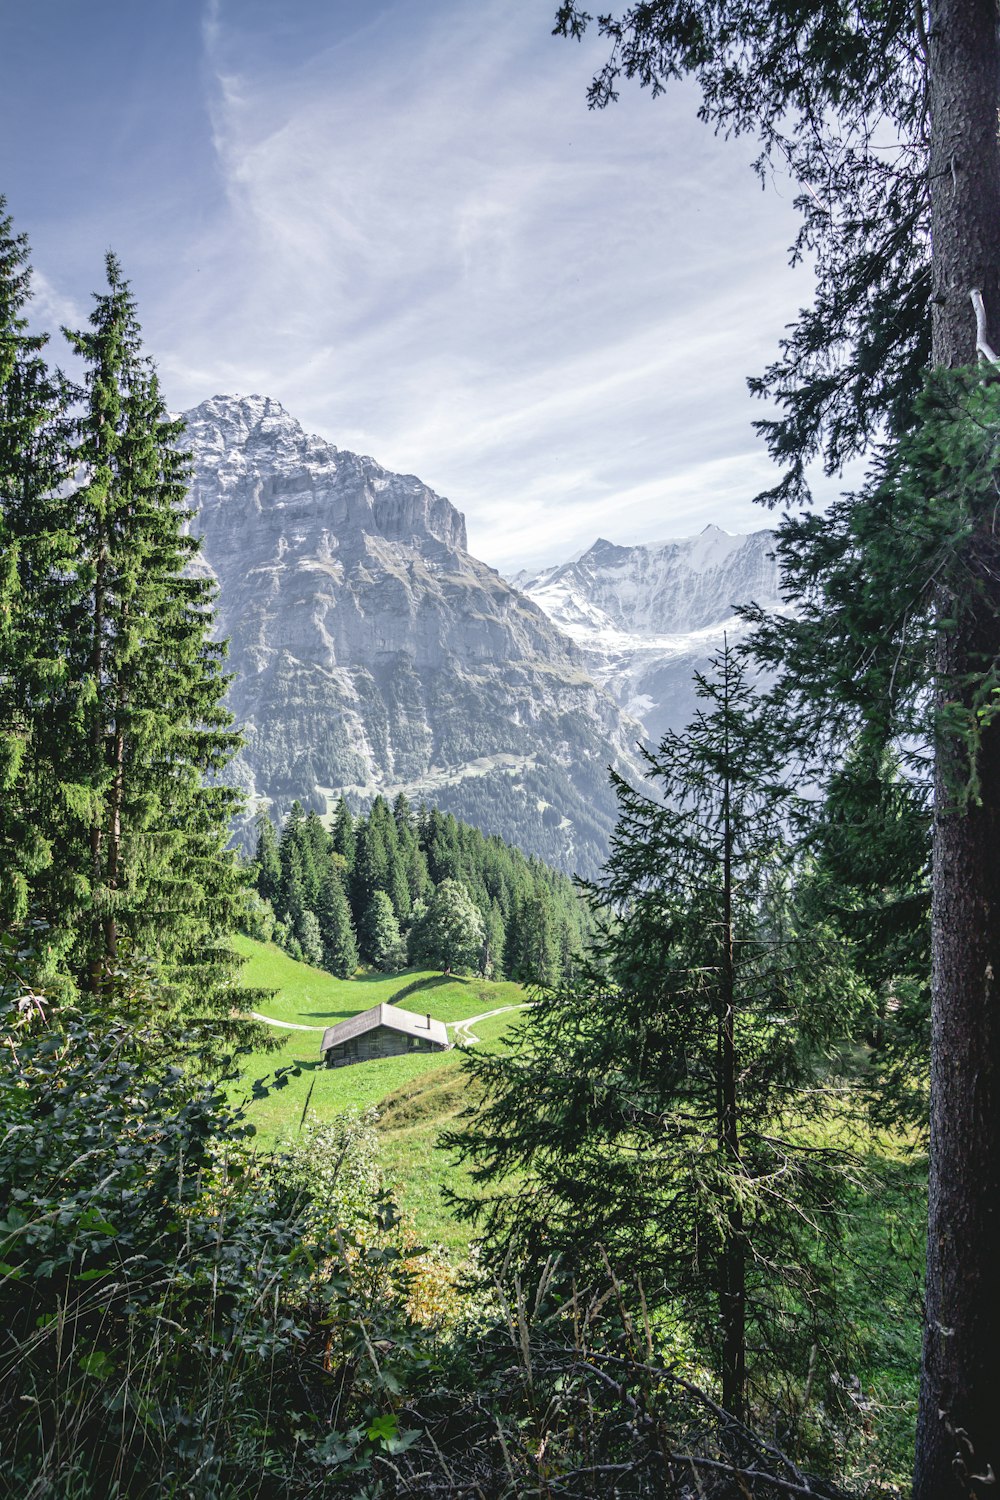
[417,1095]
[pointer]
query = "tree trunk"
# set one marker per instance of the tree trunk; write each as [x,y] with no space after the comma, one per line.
[958,1429]
[732,1279]
[96,969]
[115,799]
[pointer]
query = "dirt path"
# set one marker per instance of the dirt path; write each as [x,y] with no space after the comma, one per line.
[285,1025]
[462,1032]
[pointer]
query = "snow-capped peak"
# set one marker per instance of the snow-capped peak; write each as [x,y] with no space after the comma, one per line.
[646,616]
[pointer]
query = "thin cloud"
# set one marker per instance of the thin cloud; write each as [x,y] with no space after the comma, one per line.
[422,243]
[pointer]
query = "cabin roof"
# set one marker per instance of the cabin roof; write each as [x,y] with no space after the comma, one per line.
[393,1017]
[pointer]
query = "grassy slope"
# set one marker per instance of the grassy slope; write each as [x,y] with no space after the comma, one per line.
[418,1096]
[421,1093]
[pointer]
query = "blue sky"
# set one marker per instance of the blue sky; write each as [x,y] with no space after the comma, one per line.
[399,218]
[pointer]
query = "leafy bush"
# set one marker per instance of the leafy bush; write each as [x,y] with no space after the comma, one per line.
[175,1311]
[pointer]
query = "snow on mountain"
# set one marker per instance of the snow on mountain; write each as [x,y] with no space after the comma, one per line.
[372,652]
[647,617]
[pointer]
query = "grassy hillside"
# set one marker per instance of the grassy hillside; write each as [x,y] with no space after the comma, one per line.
[416,1095]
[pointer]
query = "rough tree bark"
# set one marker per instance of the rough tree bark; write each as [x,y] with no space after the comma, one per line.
[732,1270]
[958,1432]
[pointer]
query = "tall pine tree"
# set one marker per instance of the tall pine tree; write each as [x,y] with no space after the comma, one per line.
[36,553]
[130,734]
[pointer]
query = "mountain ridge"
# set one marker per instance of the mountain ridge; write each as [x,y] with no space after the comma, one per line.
[372,652]
[647,616]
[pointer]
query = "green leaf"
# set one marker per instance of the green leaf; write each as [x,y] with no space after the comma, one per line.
[383,1429]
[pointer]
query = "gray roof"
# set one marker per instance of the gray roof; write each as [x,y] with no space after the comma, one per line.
[385,1015]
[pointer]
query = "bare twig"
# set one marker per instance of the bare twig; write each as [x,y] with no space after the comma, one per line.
[983,344]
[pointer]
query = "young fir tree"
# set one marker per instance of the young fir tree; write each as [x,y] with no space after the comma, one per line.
[340,946]
[140,737]
[267,861]
[381,942]
[648,1108]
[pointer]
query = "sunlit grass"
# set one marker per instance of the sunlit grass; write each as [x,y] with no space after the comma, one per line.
[416,1094]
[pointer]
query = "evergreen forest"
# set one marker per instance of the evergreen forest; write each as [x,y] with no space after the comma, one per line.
[715,1141]
[398,888]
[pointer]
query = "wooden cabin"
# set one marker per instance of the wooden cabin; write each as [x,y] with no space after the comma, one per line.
[383,1031]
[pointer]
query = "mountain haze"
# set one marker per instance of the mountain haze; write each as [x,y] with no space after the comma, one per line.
[647,617]
[372,652]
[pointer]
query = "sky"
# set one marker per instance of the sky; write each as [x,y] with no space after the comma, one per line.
[400,219]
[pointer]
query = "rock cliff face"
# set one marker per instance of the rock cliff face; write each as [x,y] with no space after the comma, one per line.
[373,653]
[646,618]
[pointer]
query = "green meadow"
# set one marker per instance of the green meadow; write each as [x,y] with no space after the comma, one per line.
[416,1096]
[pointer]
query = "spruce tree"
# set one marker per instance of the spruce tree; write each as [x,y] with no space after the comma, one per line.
[402,812]
[340,947]
[343,834]
[317,842]
[36,547]
[267,861]
[642,1105]
[539,954]
[494,938]
[381,943]
[396,882]
[140,736]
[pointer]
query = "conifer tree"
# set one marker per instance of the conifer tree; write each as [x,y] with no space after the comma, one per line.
[340,947]
[396,883]
[301,869]
[904,247]
[344,839]
[138,749]
[539,953]
[267,861]
[319,846]
[641,1107]
[36,544]
[494,937]
[293,905]
[402,812]
[371,866]
[381,943]
[869,879]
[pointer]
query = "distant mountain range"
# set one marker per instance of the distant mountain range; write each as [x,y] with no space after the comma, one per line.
[372,653]
[646,617]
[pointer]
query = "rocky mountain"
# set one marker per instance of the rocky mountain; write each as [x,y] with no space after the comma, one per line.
[372,653]
[646,617]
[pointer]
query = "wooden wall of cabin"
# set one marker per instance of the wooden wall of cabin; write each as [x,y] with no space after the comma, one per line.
[382,1042]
